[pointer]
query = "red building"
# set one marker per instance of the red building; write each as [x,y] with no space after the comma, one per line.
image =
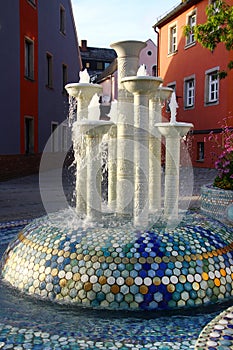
[39,55]
[190,69]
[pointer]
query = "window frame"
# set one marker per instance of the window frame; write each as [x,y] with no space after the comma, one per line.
[32,3]
[54,136]
[49,70]
[190,40]
[29,58]
[187,90]
[171,85]
[200,151]
[172,45]
[209,84]
[62,20]
[29,134]
[64,76]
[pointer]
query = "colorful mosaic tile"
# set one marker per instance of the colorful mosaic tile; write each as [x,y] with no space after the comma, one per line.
[123,268]
[218,334]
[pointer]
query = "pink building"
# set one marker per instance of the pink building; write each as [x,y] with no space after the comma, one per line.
[109,78]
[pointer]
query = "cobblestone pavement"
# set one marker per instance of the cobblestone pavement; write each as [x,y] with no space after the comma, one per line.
[21,198]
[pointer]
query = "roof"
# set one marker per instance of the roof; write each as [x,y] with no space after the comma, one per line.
[96,53]
[183,6]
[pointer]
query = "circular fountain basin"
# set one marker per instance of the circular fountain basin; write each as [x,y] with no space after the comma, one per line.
[84,89]
[142,84]
[119,267]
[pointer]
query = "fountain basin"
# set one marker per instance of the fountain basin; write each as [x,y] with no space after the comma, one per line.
[120,267]
[83,89]
[174,130]
[141,84]
[164,92]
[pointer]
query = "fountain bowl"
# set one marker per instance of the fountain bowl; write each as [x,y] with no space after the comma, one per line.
[84,89]
[142,84]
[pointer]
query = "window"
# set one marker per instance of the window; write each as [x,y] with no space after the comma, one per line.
[172,39]
[189,92]
[87,65]
[29,59]
[54,131]
[200,151]
[191,22]
[33,2]
[99,65]
[62,20]
[212,86]
[106,65]
[29,134]
[64,138]
[173,87]
[49,59]
[64,77]
[154,71]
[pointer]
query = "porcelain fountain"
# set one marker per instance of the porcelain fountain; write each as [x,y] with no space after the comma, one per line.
[138,253]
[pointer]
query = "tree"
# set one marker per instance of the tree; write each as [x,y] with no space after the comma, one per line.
[217,29]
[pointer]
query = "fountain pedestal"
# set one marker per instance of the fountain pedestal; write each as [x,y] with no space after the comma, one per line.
[141,87]
[90,191]
[172,132]
[155,153]
[128,63]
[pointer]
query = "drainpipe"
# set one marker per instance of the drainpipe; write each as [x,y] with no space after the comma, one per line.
[158,61]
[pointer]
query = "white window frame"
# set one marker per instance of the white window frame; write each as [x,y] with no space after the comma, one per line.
[191,20]
[172,38]
[28,58]
[212,86]
[189,92]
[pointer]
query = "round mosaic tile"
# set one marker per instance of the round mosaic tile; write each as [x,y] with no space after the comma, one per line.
[218,334]
[123,268]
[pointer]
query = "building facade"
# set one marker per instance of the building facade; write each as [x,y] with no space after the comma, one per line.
[192,71]
[40,54]
[95,59]
[109,78]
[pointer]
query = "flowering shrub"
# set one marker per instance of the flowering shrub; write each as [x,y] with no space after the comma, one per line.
[224,162]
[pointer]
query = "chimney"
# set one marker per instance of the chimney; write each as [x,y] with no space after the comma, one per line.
[83,45]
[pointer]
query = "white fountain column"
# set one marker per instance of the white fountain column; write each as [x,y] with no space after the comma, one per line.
[173,133]
[83,92]
[155,150]
[128,63]
[93,132]
[112,167]
[141,87]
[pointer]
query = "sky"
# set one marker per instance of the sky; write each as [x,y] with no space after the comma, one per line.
[106,21]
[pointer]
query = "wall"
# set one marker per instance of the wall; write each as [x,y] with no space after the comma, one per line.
[10,78]
[195,60]
[53,103]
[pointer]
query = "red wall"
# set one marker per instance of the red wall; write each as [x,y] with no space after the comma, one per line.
[196,60]
[28,88]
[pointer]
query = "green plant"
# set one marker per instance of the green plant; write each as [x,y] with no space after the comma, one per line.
[224,161]
[217,29]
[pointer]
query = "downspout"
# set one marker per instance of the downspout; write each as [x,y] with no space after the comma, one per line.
[158,60]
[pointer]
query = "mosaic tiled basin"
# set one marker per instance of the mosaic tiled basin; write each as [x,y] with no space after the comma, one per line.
[215,201]
[123,268]
[218,334]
